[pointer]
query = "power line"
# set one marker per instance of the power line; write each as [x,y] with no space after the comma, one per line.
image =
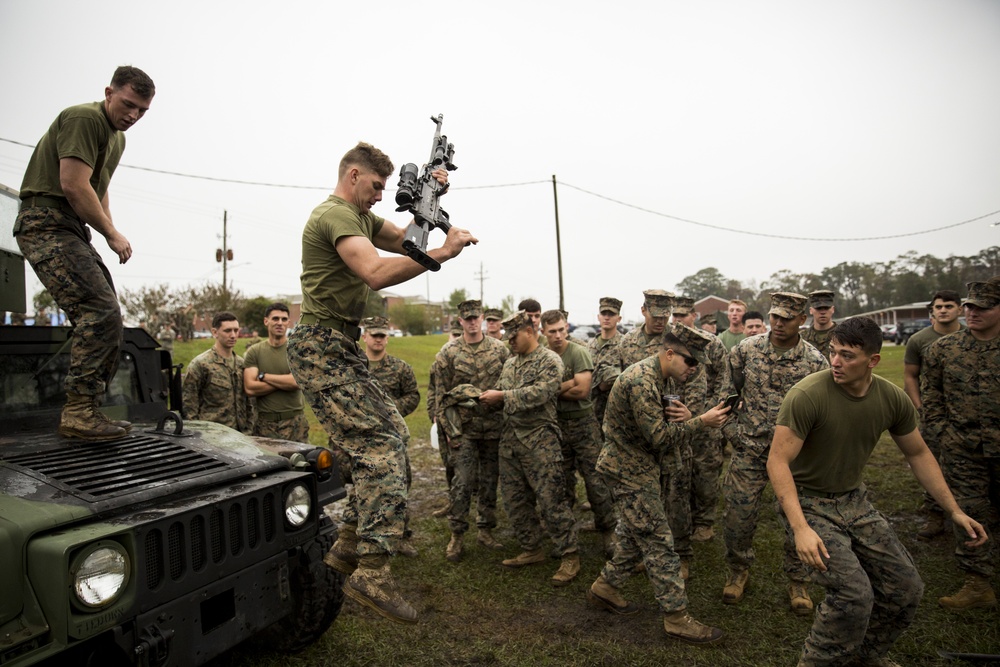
[731,230]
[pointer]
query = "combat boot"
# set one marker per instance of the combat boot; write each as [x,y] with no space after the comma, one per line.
[680,625]
[407,549]
[736,584]
[798,598]
[120,423]
[976,593]
[568,569]
[373,586]
[605,596]
[453,551]
[702,534]
[486,538]
[933,527]
[525,558]
[685,569]
[80,419]
[343,557]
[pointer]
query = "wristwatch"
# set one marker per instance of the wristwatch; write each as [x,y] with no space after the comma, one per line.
[260,377]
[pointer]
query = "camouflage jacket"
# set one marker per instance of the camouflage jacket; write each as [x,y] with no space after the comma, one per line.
[637,345]
[607,361]
[459,363]
[636,432]
[530,385]
[960,390]
[398,380]
[762,375]
[213,391]
[717,377]
[820,339]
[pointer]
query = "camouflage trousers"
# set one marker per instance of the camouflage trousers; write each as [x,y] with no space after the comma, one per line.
[476,468]
[644,536]
[365,425]
[872,586]
[532,476]
[581,444]
[675,491]
[974,480]
[742,489]
[295,429]
[57,245]
[706,476]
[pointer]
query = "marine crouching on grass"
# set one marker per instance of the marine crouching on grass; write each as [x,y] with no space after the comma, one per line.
[826,429]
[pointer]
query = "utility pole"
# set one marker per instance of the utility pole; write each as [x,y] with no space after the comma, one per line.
[224,255]
[555,200]
[482,277]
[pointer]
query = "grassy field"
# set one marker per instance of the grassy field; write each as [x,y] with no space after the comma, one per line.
[476,613]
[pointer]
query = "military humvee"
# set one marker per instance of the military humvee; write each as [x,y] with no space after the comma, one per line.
[165,547]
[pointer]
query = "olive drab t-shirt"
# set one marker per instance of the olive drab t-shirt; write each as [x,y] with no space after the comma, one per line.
[268,359]
[329,288]
[82,132]
[576,359]
[839,430]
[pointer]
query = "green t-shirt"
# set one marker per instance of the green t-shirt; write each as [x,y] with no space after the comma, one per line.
[839,430]
[329,288]
[730,339]
[83,132]
[917,346]
[274,360]
[576,359]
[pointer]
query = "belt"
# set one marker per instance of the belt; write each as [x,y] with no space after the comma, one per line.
[60,203]
[350,330]
[820,494]
[278,416]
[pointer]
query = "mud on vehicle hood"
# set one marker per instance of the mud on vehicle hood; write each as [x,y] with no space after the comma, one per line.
[104,477]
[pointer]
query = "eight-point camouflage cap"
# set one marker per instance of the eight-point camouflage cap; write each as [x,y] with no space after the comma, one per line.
[376,325]
[787,304]
[610,303]
[493,314]
[658,302]
[694,340]
[683,305]
[515,323]
[470,308]
[456,324]
[821,299]
[983,294]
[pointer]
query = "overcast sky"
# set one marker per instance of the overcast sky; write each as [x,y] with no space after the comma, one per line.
[820,120]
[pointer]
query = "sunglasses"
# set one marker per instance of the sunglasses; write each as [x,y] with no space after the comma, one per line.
[689,360]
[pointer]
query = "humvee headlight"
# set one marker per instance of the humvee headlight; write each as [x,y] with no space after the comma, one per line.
[100,574]
[298,504]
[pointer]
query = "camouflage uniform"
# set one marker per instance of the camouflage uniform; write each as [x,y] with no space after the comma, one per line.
[473,453]
[607,367]
[637,437]
[961,411]
[213,391]
[706,464]
[57,245]
[361,418]
[820,339]
[530,458]
[399,381]
[637,345]
[762,375]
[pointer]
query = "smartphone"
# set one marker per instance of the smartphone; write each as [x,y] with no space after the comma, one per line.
[731,402]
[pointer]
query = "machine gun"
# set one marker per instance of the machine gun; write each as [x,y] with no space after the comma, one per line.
[420,193]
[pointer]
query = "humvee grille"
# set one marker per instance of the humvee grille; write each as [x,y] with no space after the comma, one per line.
[107,470]
[176,551]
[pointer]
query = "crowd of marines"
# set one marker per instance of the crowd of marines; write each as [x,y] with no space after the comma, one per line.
[645,417]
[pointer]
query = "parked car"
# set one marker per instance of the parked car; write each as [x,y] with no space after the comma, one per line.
[889,332]
[584,332]
[906,329]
